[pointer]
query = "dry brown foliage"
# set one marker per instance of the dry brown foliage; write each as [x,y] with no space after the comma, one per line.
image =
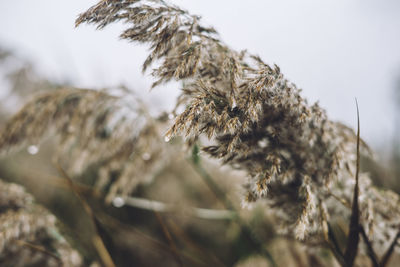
[28,233]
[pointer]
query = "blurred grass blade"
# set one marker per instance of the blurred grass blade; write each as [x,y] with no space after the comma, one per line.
[97,241]
[167,234]
[220,194]
[353,237]
[189,243]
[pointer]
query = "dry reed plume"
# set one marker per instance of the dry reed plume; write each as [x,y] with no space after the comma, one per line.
[93,128]
[298,160]
[28,233]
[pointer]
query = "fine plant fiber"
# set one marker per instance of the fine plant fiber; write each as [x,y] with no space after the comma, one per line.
[297,160]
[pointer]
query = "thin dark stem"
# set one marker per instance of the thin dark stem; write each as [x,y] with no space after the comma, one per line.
[334,245]
[371,252]
[189,243]
[167,234]
[389,252]
[354,237]
[97,241]
[39,248]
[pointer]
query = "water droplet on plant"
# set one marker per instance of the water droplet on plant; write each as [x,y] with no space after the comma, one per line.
[171,116]
[146,156]
[166,139]
[118,202]
[33,150]
[263,143]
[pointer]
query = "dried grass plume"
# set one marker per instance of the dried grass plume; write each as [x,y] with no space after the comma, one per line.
[28,233]
[299,161]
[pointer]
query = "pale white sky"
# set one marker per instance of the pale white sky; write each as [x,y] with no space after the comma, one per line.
[335,50]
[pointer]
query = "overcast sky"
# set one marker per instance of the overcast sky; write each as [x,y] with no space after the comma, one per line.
[335,50]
